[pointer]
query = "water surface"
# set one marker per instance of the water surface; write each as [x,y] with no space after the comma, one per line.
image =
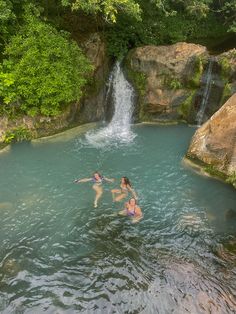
[60,255]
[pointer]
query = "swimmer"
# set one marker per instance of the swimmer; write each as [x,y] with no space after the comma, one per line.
[133,210]
[125,188]
[98,180]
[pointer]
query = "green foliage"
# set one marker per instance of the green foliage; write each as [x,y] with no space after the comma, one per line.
[11,12]
[45,69]
[139,81]
[7,81]
[108,8]
[173,83]
[225,68]
[157,28]
[227,92]
[5,11]
[18,134]
[185,108]
[228,10]
[198,71]
[232,179]
[214,172]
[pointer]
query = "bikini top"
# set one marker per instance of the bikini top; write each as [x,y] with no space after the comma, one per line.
[124,187]
[99,181]
[130,212]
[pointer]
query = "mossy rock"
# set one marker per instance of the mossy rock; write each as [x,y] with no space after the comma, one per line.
[225,68]
[197,71]
[185,110]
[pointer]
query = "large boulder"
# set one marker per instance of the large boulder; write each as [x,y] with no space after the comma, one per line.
[181,81]
[214,143]
[171,75]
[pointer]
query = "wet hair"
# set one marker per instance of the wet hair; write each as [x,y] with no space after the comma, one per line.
[127,182]
[132,198]
[96,172]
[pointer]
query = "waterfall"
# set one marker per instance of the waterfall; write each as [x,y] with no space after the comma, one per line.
[207,81]
[119,128]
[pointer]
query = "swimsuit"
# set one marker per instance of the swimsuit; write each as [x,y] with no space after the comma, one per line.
[124,189]
[130,212]
[97,182]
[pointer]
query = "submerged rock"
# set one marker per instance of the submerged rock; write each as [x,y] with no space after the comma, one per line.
[10,267]
[214,143]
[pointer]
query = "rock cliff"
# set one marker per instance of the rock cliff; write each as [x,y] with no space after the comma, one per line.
[214,143]
[173,81]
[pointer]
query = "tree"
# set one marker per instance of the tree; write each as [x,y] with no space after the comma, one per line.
[108,8]
[229,12]
[6,15]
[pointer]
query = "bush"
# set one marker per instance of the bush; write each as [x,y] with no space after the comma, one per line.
[18,134]
[44,69]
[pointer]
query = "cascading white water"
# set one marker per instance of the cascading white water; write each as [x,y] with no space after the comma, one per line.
[208,82]
[118,130]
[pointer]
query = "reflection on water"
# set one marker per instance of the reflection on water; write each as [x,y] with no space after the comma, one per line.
[60,255]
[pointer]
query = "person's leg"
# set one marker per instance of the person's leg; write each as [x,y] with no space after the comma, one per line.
[113,192]
[120,197]
[99,191]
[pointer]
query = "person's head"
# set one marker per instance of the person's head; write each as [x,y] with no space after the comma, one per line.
[132,201]
[125,180]
[97,175]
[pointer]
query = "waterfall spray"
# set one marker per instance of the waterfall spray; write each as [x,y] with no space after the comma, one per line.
[208,83]
[118,130]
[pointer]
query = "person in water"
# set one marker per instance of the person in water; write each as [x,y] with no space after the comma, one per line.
[132,210]
[125,188]
[98,181]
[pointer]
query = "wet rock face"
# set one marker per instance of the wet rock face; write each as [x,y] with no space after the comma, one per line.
[167,59]
[214,143]
[181,80]
[172,72]
[92,106]
[37,126]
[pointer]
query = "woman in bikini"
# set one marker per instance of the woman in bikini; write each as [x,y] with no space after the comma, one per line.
[98,180]
[132,210]
[125,188]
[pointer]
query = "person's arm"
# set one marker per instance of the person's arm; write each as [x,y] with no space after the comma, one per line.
[82,180]
[138,212]
[123,212]
[132,191]
[109,180]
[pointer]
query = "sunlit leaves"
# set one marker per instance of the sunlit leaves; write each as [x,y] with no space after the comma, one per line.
[48,69]
[107,8]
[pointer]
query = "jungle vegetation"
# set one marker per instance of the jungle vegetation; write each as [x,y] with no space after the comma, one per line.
[42,66]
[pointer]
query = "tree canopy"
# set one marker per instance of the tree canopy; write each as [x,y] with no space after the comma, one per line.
[108,8]
[43,69]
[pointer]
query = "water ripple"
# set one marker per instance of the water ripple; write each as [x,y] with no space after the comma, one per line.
[60,255]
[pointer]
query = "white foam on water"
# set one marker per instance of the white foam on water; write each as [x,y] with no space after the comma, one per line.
[118,131]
